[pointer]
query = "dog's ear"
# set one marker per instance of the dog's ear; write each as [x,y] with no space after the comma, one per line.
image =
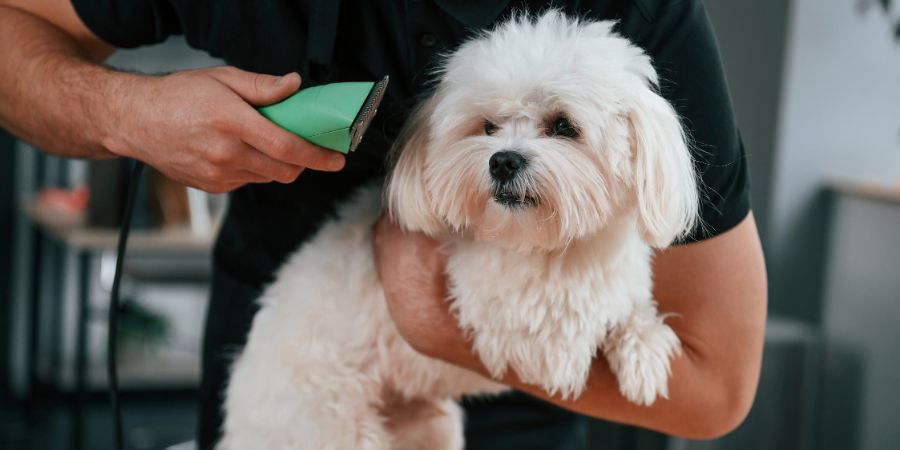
[408,200]
[665,181]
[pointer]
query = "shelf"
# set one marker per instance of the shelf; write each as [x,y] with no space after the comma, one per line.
[868,190]
[71,230]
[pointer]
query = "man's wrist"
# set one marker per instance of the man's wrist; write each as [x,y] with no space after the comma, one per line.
[448,342]
[117,102]
[84,104]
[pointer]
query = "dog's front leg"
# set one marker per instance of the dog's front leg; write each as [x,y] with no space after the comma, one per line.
[557,361]
[639,352]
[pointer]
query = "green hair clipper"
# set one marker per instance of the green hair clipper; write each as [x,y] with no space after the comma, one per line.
[333,116]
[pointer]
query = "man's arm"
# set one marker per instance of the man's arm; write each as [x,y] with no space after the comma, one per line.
[47,64]
[198,127]
[715,290]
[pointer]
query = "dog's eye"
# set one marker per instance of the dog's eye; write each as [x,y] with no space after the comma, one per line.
[489,127]
[562,127]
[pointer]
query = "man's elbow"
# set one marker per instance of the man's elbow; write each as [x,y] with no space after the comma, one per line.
[724,409]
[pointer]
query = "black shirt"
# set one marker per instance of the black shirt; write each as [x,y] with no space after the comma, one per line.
[329,40]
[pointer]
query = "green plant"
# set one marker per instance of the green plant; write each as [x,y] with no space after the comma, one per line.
[141,328]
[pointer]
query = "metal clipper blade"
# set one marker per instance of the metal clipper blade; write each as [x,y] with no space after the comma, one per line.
[367,113]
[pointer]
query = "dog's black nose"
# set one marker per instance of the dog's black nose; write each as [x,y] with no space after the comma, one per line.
[505,165]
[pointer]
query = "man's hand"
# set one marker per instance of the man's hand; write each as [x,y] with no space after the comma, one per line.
[717,288]
[200,128]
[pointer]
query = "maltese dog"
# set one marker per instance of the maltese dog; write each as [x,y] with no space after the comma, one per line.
[550,167]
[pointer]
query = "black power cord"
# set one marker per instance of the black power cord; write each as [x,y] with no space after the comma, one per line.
[113,327]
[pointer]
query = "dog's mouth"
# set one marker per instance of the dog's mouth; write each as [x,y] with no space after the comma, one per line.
[513,199]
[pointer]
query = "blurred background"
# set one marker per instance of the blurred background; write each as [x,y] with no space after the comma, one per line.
[816,88]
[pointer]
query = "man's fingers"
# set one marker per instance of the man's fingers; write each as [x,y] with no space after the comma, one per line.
[284,146]
[250,177]
[267,137]
[262,166]
[256,88]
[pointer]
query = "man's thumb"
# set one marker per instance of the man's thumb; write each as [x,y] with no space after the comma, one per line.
[259,89]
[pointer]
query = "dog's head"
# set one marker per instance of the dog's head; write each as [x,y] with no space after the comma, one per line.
[538,133]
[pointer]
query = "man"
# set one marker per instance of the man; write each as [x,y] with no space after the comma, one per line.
[200,128]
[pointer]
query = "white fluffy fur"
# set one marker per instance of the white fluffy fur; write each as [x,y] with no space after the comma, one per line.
[540,288]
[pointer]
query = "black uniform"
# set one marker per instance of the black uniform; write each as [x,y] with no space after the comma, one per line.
[353,40]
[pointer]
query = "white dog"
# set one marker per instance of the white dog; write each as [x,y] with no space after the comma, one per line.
[550,166]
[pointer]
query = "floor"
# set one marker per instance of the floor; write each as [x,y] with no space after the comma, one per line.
[154,421]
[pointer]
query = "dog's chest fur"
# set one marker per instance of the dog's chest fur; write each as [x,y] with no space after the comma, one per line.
[523,309]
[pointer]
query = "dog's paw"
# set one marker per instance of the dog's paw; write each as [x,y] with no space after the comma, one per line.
[557,372]
[558,366]
[640,357]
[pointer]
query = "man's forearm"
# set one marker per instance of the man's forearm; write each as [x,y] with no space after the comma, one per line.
[690,410]
[53,94]
[698,398]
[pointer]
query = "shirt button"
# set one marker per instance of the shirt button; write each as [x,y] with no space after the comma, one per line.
[427,40]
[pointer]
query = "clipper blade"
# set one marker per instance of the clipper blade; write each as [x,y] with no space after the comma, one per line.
[367,113]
